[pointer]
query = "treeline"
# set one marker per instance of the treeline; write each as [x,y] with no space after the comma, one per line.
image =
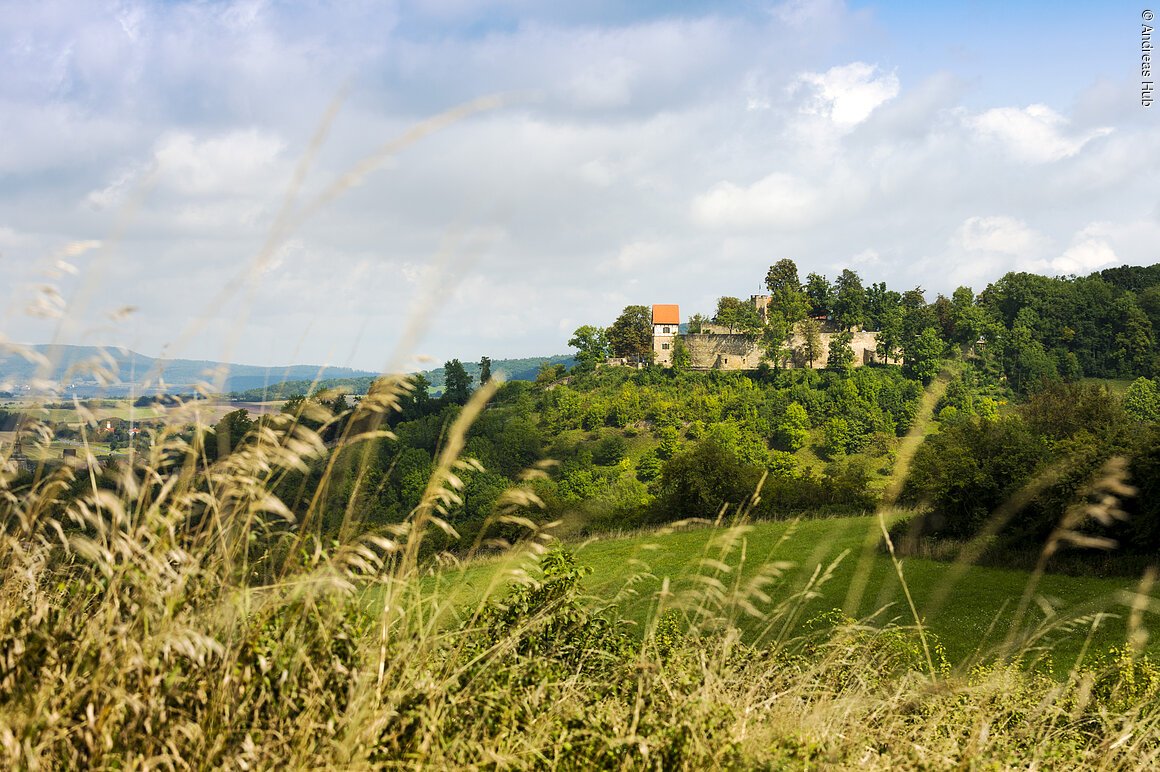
[1074,466]
[519,369]
[1032,329]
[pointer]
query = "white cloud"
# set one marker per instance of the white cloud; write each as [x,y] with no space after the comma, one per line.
[1004,235]
[1035,134]
[662,158]
[229,163]
[1084,256]
[848,94]
[778,200]
[604,84]
[635,256]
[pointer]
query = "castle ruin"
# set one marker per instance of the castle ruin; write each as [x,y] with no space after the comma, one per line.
[717,347]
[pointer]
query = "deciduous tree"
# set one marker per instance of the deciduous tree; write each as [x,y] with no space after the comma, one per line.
[820,293]
[591,344]
[922,357]
[811,348]
[785,291]
[456,382]
[841,356]
[849,300]
[738,315]
[631,334]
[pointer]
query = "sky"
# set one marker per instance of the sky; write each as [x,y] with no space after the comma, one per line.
[383,184]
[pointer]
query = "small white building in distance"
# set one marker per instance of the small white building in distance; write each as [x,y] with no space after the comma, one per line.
[666,326]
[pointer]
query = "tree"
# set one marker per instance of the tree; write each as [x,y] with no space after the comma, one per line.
[820,293]
[841,356]
[1134,346]
[944,315]
[737,314]
[836,437]
[591,344]
[794,430]
[698,481]
[681,357]
[811,348]
[630,336]
[879,302]
[697,322]
[456,382]
[1142,401]
[922,357]
[610,450]
[484,370]
[969,469]
[890,333]
[916,315]
[774,336]
[1025,362]
[849,299]
[229,433]
[549,372]
[970,321]
[785,291]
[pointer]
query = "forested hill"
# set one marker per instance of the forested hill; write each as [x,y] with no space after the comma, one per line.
[1102,325]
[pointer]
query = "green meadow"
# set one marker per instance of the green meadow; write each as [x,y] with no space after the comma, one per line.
[970,608]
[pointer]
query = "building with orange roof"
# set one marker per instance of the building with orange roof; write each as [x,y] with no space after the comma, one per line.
[666,326]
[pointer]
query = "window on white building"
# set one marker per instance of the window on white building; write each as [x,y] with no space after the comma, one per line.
[665,346]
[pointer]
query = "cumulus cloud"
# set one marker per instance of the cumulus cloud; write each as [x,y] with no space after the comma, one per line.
[777,200]
[1035,134]
[642,157]
[218,165]
[849,93]
[1005,235]
[1084,256]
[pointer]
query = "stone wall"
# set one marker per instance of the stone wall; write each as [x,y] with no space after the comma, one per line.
[717,351]
[865,344]
[723,352]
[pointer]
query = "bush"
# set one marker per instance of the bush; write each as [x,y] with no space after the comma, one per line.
[610,450]
[698,481]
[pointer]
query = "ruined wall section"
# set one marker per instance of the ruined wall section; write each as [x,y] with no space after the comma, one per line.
[723,352]
[865,345]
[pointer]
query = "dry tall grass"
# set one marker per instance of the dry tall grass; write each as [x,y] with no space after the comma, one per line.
[176,616]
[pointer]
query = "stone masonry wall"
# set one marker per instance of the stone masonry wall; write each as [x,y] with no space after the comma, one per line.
[743,352]
[723,352]
[865,344]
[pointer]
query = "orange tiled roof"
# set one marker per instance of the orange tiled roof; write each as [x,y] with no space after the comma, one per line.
[666,314]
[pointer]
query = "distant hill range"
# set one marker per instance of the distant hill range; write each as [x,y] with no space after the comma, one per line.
[524,369]
[74,368]
[136,374]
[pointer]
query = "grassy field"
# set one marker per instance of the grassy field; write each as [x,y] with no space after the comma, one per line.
[209,411]
[970,608]
[1118,386]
